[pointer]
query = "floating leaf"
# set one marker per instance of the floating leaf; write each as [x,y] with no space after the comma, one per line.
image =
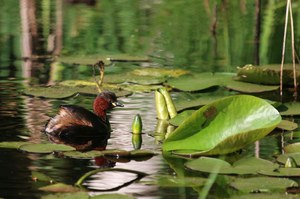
[38,176]
[264,196]
[12,145]
[83,155]
[210,165]
[292,108]
[249,87]
[159,72]
[112,196]
[223,126]
[45,148]
[74,195]
[201,81]
[60,187]
[141,153]
[287,125]
[175,181]
[244,166]
[292,148]
[262,184]
[61,91]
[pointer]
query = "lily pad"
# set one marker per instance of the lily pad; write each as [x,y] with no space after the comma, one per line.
[249,87]
[175,181]
[12,145]
[112,196]
[83,155]
[45,148]
[38,176]
[244,166]
[62,91]
[287,125]
[201,81]
[74,195]
[292,108]
[262,184]
[60,188]
[292,148]
[223,126]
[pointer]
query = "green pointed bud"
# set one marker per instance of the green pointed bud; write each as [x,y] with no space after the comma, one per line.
[161,106]
[170,105]
[290,163]
[137,124]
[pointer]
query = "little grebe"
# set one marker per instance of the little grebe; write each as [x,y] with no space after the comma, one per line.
[80,128]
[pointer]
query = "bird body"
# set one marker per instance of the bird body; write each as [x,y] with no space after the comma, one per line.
[81,128]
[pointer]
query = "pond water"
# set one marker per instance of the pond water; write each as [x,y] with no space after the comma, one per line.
[172,33]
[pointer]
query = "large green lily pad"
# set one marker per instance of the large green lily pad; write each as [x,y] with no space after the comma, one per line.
[223,126]
[201,81]
[45,148]
[262,184]
[62,91]
[250,165]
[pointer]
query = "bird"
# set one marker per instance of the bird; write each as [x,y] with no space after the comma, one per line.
[80,128]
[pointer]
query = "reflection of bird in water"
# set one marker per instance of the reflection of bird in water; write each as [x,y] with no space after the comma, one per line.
[80,128]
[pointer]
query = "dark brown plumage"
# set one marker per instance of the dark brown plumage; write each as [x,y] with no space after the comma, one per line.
[81,128]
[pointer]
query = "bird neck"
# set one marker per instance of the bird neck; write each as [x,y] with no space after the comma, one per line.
[100,106]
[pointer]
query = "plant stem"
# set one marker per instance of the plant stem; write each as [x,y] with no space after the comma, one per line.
[293,50]
[283,45]
[100,64]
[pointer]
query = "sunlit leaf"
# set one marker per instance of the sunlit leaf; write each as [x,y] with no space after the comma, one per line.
[45,148]
[223,126]
[287,125]
[12,145]
[262,184]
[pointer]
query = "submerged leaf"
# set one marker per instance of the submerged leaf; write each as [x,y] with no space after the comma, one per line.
[223,126]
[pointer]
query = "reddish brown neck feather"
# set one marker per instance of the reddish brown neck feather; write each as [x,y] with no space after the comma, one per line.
[100,107]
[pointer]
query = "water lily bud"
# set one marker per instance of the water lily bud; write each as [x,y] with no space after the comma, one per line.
[170,105]
[290,163]
[137,125]
[161,106]
[136,141]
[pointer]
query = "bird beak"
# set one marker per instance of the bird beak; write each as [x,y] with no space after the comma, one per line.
[117,104]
